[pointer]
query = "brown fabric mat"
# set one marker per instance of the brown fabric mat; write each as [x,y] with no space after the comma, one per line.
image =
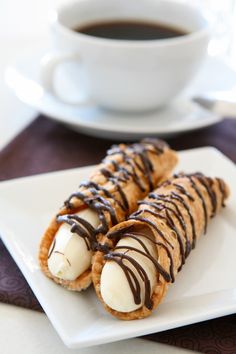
[46,146]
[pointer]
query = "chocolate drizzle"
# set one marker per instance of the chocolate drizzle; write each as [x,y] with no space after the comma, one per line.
[199,194]
[208,187]
[105,200]
[182,190]
[174,198]
[151,223]
[167,216]
[176,213]
[52,248]
[80,227]
[124,261]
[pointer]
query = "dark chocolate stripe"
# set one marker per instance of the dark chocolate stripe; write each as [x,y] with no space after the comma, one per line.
[177,197]
[152,224]
[122,233]
[172,227]
[197,190]
[170,199]
[183,191]
[52,248]
[204,181]
[81,227]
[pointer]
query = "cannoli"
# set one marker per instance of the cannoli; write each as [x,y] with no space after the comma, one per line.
[128,173]
[139,258]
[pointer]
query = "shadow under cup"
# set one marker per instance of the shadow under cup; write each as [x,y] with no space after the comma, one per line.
[132,75]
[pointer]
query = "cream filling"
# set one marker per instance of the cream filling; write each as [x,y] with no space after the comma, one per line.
[70,257]
[115,288]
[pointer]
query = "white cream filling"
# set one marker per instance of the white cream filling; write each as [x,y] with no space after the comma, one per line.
[70,257]
[115,289]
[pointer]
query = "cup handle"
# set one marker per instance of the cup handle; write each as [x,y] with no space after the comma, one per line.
[48,66]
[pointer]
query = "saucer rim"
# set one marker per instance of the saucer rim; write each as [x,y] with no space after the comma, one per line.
[43,102]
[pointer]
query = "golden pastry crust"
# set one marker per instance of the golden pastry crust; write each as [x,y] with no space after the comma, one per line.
[126,175]
[176,214]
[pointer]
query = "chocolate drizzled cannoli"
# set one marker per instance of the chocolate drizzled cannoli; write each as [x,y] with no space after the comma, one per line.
[126,175]
[140,257]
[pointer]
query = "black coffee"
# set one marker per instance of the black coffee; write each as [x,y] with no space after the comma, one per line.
[130,30]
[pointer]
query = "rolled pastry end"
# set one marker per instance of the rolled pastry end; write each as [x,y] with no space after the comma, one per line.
[59,250]
[70,254]
[118,290]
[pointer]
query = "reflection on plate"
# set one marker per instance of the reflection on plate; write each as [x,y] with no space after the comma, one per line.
[181,116]
[204,289]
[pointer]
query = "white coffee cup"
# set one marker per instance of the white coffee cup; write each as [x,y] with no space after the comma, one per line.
[128,75]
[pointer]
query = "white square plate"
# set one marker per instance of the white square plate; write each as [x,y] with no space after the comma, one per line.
[204,289]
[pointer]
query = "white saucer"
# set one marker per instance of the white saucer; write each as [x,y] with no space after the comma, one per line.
[181,116]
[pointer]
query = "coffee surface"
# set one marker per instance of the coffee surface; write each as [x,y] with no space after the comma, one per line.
[130,30]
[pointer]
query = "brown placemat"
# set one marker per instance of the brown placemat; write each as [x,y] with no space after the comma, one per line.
[46,146]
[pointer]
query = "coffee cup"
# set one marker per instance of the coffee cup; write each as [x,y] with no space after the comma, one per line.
[127,74]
